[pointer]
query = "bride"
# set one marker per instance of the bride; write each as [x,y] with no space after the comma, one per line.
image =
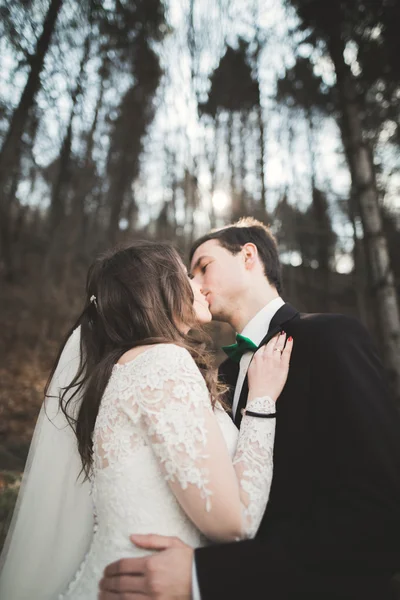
[133,435]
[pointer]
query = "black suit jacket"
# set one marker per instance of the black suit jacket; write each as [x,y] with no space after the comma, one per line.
[331,529]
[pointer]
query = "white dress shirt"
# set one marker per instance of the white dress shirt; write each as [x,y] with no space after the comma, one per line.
[256,329]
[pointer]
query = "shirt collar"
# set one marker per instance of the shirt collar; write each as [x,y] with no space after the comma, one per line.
[258,326]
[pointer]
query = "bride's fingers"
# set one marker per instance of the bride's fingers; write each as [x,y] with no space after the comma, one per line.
[268,349]
[274,348]
[279,345]
[280,342]
[287,351]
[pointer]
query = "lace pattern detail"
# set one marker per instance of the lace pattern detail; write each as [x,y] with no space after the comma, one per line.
[172,406]
[162,404]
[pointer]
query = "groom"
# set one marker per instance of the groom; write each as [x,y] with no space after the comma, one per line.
[331,530]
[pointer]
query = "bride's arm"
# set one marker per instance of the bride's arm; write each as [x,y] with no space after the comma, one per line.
[224,500]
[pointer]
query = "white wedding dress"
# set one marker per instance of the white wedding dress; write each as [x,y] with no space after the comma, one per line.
[157,458]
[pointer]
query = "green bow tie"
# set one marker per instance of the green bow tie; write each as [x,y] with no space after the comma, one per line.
[243,345]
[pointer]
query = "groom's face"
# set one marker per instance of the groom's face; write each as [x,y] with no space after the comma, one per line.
[221,276]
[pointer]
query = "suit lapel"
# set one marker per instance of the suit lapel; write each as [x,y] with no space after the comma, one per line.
[280,319]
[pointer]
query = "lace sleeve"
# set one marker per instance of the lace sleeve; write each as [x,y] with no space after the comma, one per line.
[253,462]
[225,501]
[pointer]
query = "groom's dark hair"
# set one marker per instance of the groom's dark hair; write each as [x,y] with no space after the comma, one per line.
[248,230]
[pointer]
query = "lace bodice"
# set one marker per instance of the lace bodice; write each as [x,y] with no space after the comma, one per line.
[166,462]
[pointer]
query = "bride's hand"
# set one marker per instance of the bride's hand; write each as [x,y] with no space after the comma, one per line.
[269,368]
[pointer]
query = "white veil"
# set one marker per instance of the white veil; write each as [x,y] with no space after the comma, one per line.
[52,524]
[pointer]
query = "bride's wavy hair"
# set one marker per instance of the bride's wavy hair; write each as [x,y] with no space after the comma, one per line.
[135,296]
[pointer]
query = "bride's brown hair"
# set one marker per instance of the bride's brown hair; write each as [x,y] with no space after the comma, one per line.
[135,296]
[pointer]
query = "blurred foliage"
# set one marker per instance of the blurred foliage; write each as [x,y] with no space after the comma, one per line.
[10,482]
[233,85]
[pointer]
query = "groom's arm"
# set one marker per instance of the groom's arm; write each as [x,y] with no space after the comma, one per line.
[353,529]
[250,570]
[243,570]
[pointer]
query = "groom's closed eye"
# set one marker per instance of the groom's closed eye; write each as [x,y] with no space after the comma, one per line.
[200,264]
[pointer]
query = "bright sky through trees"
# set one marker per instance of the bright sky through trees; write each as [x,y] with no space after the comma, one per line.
[179,138]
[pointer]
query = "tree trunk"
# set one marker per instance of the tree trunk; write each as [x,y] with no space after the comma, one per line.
[361,266]
[174,189]
[86,180]
[212,161]
[311,145]
[359,269]
[319,219]
[9,155]
[63,230]
[6,227]
[242,168]
[366,194]
[261,128]
[260,117]
[231,160]
[57,205]
[190,193]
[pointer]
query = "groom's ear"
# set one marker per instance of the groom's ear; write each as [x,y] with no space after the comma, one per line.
[250,254]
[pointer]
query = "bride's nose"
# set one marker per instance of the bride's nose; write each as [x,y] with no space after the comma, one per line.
[195,286]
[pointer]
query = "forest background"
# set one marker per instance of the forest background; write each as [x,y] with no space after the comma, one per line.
[125,119]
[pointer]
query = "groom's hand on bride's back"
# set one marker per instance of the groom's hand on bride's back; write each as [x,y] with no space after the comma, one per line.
[165,575]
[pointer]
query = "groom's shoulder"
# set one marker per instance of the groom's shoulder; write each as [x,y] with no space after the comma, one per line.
[329,325]
[324,319]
